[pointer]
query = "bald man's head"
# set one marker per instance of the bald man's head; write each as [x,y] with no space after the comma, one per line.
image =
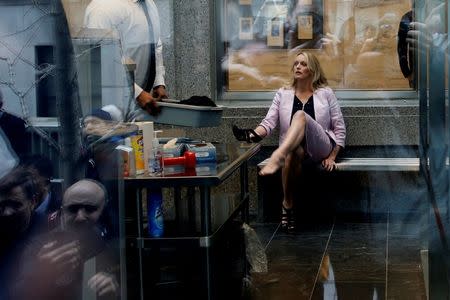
[83,204]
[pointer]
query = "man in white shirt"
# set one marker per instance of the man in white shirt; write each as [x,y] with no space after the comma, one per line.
[137,23]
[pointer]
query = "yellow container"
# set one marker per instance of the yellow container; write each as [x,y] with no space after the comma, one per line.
[137,143]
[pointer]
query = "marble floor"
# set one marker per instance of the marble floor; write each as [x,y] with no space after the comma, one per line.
[341,258]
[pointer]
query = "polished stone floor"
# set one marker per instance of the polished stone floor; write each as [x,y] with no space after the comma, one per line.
[342,258]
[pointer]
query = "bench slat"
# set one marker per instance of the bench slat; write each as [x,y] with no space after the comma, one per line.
[373,164]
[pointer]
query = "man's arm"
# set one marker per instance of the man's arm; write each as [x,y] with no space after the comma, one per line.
[160,70]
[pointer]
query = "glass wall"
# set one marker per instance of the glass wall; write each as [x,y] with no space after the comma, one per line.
[56,74]
[66,89]
[361,44]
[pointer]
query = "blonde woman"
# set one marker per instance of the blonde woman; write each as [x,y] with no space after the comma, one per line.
[311,126]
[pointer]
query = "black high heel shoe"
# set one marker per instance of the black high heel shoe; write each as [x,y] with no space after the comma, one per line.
[246,135]
[287,219]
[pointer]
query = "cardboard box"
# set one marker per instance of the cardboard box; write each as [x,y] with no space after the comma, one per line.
[204,152]
[205,169]
[147,135]
[128,160]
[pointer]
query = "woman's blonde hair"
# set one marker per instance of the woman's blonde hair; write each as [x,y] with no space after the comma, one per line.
[319,80]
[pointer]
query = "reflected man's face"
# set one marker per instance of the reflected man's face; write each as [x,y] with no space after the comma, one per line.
[387,30]
[15,212]
[83,205]
[387,27]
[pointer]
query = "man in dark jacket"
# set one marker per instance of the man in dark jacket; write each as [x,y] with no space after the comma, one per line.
[73,260]
[18,222]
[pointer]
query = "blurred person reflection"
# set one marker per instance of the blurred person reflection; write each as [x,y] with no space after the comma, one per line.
[74,259]
[98,128]
[83,206]
[386,36]
[350,45]
[8,158]
[243,61]
[311,27]
[18,222]
[137,23]
[49,201]
[377,64]
[102,133]
[405,49]
[264,11]
[14,129]
[311,127]
[431,31]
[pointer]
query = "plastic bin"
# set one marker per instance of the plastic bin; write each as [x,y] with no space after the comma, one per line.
[173,113]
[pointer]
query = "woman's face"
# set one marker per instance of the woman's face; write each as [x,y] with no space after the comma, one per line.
[300,68]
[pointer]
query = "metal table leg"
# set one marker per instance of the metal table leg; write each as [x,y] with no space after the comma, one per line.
[140,230]
[191,208]
[245,192]
[122,241]
[205,200]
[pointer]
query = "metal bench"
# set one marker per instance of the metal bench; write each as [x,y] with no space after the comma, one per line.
[409,164]
[347,164]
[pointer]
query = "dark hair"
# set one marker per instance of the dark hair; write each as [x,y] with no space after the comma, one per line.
[313,64]
[42,164]
[23,177]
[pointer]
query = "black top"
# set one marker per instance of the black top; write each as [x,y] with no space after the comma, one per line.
[309,107]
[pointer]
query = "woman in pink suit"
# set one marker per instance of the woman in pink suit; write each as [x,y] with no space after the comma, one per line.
[311,125]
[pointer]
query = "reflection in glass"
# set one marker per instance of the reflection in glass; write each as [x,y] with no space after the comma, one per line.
[356,41]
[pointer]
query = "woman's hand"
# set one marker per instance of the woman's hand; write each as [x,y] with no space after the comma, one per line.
[328,164]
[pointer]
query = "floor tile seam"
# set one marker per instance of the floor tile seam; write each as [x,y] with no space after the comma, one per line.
[299,235]
[404,267]
[373,252]
[306,235]
[293,247]
[410,236]
[416,263]
[271,238]
[357,281]
[299,265]
[321,260]
[263,223]
[292,263]
[335,247]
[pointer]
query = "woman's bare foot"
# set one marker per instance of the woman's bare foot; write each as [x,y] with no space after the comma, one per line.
[275,162]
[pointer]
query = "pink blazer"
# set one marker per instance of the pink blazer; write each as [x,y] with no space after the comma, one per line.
[326,108]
